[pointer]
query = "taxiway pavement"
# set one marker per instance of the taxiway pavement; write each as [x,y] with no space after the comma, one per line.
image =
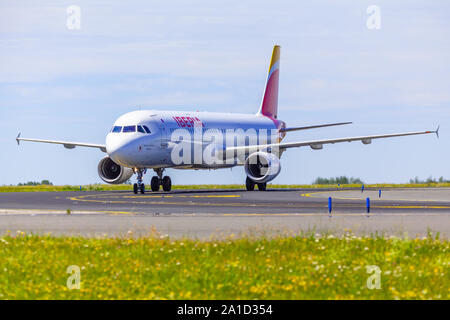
[206,213]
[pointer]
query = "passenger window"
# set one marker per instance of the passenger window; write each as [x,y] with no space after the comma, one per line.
[147,129]
[140,129]
[129,129]
[117,129]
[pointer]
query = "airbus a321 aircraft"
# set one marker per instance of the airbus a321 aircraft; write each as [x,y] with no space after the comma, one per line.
[158,140]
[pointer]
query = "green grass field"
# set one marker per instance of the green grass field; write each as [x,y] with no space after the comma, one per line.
[105,187]
[282,267]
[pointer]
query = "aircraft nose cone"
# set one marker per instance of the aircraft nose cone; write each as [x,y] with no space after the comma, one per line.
[119,150]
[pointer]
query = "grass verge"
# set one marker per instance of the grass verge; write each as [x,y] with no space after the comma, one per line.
[154,267]
[104,187]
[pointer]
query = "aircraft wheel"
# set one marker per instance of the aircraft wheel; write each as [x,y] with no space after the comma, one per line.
[249,184]
[142,188]
[135,188]
[262,186]
[166,183]
[155,184]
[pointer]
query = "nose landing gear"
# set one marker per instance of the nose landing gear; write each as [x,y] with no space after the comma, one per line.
[139,186]
[159,180]
[155,183]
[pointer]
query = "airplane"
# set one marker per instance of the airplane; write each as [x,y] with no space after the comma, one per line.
[159,140]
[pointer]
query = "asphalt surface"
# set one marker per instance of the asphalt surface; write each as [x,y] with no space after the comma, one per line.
[206,213]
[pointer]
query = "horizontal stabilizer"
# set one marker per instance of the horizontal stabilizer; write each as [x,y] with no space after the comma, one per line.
[314,127]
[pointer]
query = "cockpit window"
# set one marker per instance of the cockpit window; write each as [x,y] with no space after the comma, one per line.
[129,129]
[126,129]
[147,129]
[140,129]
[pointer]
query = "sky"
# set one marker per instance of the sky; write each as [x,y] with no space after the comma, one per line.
[63,83]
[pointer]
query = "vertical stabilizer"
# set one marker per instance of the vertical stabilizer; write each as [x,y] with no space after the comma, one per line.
[269,104]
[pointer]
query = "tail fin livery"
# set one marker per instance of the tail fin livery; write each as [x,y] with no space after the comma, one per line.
[269,104]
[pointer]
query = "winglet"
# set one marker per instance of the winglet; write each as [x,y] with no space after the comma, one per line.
[17,139]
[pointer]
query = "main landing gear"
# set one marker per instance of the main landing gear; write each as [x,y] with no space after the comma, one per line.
[139,186]
[250,185]
[159,180]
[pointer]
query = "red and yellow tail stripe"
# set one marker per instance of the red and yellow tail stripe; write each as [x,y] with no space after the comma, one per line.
[269,105]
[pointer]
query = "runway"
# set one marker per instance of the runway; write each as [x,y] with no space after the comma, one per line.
[206,213]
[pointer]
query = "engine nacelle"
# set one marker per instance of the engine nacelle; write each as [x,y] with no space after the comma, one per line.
[262,167]
[112,173]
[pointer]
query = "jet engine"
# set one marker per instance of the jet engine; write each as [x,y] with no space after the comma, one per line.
[112,173]
[262,167]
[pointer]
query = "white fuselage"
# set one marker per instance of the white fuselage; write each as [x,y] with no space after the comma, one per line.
[195,130]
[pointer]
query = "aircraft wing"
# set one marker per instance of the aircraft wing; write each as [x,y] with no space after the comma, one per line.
[318,144]
[66,144]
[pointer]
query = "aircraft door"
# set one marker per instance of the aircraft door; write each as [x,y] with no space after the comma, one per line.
[164,134]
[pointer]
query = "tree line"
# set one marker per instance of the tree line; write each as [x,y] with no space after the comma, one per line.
[338,180]
[351,180]
[35,183]
[429,180]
